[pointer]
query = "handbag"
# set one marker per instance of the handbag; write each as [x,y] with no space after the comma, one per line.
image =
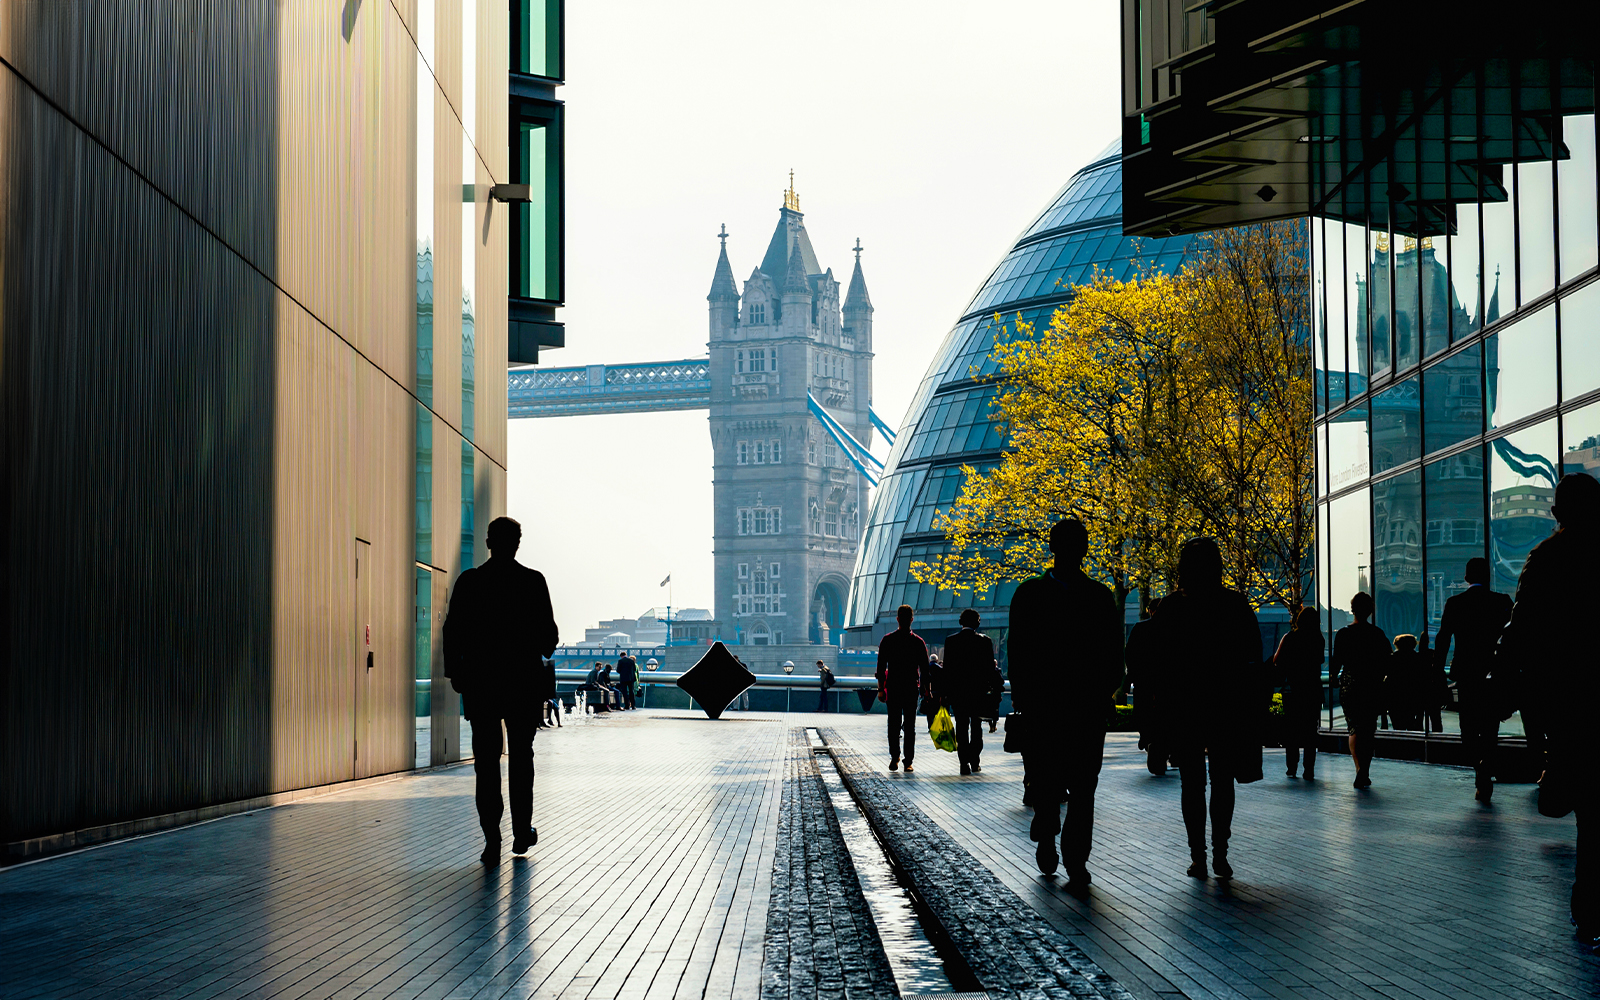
[1015,730]
[943,731]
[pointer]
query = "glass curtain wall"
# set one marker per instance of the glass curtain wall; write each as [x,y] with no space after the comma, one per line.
[1458,365]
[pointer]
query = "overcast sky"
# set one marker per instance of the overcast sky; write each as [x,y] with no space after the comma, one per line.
[933,131]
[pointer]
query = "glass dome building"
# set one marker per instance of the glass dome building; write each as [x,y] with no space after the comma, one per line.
[948,422]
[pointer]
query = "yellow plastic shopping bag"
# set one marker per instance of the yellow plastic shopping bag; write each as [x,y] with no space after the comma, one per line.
[943,731]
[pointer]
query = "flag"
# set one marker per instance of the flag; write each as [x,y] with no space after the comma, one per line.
[668,580]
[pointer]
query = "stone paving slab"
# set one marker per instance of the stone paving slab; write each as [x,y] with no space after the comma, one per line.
[1407,890]
[651,879]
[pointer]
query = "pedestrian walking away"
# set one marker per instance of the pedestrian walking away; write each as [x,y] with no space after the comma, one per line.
[968,678]
[932,689]
[1474,619]
[902,660]
[1409,670]
[1065,656]
[498,633]
[1212,695]
[1359,664]
[628,679]
[1298,665]
[1146,669]
[1549,642]
[824,684]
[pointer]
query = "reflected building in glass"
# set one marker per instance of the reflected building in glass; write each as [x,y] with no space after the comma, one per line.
[948,424]
[1454,249]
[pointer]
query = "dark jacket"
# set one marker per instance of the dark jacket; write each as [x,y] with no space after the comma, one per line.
[497,633]
[1298,666]
[1065,649]
[1212,689]
[902,660]
[1474,618]
[627,670]
[825,678]
[969,672]
[1549,641]
[1359,664]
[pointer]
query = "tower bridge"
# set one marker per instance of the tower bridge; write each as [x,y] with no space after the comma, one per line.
[788,384]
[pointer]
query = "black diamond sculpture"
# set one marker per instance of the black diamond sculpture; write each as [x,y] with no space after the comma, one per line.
[716,680]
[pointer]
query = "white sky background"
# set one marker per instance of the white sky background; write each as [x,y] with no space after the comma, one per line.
[933,131]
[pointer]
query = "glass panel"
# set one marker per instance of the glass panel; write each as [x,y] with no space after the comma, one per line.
[423,664]
[1453,527]
[424,467]
[1355,277]
[1522,484]
[1407,308]
[1348,461]
[1536,221]
[1397,554]
[1580,434]
[1319,319]
[424,207]
[536,224]
[1437,306]
[1579,242]
[1452,396]
[1466,270]
[1378,304]
[536,37]
[1499,248]
[469,273]
[1335,286]
[1580,341]
[1520,371]
[1349,550]
[1321,435]
[1396,426]
[468,500]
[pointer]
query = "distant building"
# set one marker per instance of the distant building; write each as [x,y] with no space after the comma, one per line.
[788,503]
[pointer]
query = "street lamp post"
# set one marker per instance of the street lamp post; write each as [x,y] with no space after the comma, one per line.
[788,668]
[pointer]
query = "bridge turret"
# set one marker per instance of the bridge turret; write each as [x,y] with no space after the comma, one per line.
[858,308]
[724,296]
[796,297]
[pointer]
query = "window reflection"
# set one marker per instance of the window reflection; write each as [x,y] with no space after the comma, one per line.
[1580,435]
[1407,307]
[1377,304]
[1350,551]
[1499,246]
[1347,448]
[1452,393]
[1437,297]
[1520,371]
[1453,526]
[1334,305]
[1522,484]
[1397,553]
[1396,426]
[1466,270]
[1536,220]
[1355,276]
[1580,341]
[1576,174]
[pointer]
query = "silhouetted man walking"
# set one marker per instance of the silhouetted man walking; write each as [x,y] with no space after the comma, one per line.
[1475,618]
[497,634]
[1065,650]
[902,658]
[1550,639]
[824,683]
[969,675]
[628,675]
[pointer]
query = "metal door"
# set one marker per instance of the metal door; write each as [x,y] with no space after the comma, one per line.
[362,667]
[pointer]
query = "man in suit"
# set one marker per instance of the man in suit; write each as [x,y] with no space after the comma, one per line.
[1475,618]
[628,676]
[1066,665]
[497,634]
[902,660]
[968,677]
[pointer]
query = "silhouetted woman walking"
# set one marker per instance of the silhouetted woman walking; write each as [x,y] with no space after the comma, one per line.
[1359,664]
[1211,696]
[1298,664]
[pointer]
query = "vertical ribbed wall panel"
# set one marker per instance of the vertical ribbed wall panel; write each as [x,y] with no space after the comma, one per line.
[207,276]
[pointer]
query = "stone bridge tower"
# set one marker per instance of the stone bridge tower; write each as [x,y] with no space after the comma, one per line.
[789,502]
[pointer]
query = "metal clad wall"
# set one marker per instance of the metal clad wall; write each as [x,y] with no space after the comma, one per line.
[204,395]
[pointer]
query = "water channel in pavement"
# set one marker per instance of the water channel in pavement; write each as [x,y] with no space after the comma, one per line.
[903,922]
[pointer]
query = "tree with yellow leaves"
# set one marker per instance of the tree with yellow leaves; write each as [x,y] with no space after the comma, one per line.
[1154,409]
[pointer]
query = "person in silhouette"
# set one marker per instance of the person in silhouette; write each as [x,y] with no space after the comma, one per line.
[627,678]
[1212,696]
[1359,664]
[969,669]
[1409,668]
[1298,664]
[497,634]
[1065,653]
[902,659]
[932,689]
[825,682]
[1474,619]
[1548,641]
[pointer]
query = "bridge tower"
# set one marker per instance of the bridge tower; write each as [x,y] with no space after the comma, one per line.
[789,501]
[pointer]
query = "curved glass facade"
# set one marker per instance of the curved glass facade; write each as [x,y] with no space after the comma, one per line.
[948,422]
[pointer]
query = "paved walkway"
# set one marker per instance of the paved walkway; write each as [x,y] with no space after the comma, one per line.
[659,838]
[1409,889]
